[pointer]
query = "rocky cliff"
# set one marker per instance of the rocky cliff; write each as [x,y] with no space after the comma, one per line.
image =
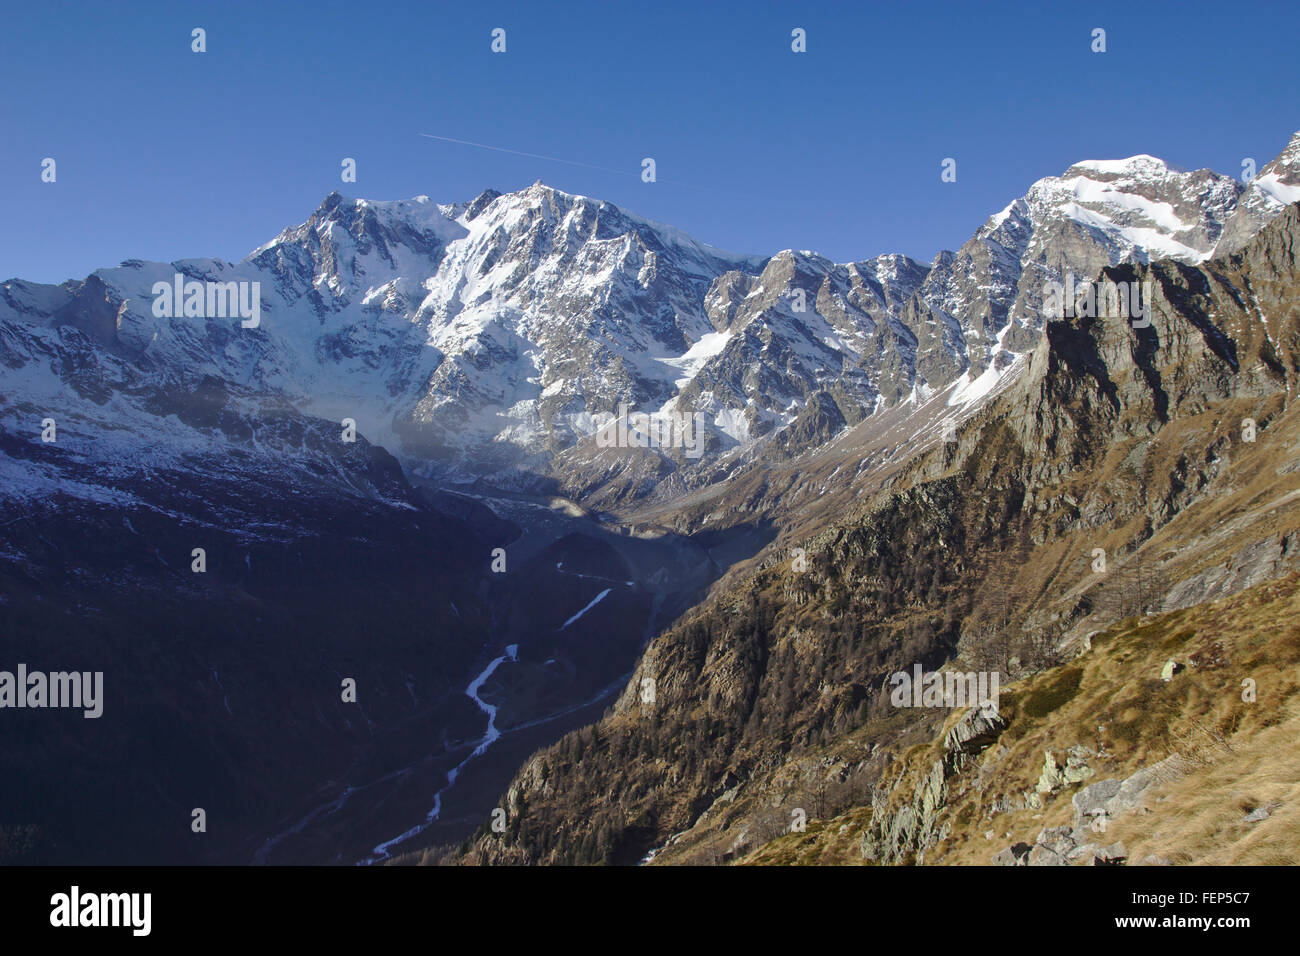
[1127,471]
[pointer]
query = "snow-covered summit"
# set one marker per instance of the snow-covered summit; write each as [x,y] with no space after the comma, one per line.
[503,331]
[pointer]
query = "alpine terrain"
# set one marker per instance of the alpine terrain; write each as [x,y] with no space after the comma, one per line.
[389,568]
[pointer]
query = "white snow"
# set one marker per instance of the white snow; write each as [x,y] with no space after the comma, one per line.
[1122,165]
[594,601]
[693,359]
[1160,213]
[999,218]
[490,735]
[1151,241]
[969,391]
[1271,184]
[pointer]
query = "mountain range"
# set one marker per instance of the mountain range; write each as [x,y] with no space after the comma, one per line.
[478,348]
[490,339]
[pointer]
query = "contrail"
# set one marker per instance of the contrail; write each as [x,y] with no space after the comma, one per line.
[574,162]
[519,152]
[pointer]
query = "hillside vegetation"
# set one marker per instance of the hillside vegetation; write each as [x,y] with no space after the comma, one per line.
[1128,472]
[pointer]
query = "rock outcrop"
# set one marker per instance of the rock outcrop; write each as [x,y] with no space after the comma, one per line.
[1094,807]
[897,832]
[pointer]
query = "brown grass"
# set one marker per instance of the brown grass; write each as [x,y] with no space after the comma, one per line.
[1238,756]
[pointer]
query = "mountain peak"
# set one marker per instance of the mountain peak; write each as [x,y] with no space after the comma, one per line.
[1290,154]
[332,202]
[1141,163]
[481,202]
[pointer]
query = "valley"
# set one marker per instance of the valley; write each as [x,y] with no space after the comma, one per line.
[398,482]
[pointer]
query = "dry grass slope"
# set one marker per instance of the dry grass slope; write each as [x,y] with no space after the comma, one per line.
[1237,756]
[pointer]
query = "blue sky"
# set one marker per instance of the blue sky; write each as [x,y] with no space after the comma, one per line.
[163,153]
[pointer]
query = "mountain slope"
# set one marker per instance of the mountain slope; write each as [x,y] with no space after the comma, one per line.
[1123,439]
[1209,769]
[481,344]
[491,339]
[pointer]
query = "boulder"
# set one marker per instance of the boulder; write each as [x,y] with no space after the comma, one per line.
[1082,854]
[1076,770]
[1042,856]
[1258,814]
[1076,765]
[970,735]
[1059,840]
[1094,799]
[1114,855]
[1015,855]
[1051,779]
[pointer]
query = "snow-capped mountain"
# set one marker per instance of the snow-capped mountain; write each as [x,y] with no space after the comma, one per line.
[1097,214]
[486,338]
[489,340]
[1274,187]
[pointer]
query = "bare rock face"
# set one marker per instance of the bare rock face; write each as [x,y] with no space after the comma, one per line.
[493,338]
[1275,186]
[1101,802]
[914,826]
[1015,855]
[1091,380]
[1262,560]
[975,731]
[1059,846]
[1075,770]
[1220,330]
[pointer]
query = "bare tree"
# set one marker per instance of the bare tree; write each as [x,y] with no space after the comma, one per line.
[1041,648]
[991,649]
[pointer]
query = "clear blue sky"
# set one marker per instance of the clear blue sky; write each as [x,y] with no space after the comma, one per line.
[163,153]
